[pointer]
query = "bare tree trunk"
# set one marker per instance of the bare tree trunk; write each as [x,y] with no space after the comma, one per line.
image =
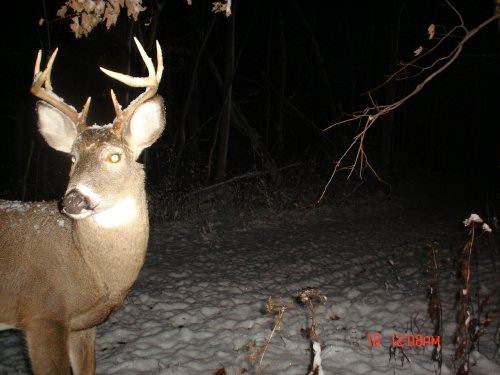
[321,63]
[387,131]
[47,28]
[390,92]
[243,126]
[27,170]
[268,84]
[280,105]
[433,124]
[223,140]
[181,142]
[148,41]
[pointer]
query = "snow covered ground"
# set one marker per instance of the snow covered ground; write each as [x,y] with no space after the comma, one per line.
[199,305]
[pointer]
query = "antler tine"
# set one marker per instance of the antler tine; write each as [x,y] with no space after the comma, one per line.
[83,115]
[41,78]
[42,89]
[151,83]
[159,59]
[116,105]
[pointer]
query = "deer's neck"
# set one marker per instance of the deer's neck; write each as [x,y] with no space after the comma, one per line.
[113,243]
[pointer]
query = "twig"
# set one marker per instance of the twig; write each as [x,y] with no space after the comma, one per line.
[371,114]
[307,297]
[470,326]
[274,306]
[435,308]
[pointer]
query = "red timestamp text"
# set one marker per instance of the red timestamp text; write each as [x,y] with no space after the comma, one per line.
[410,340]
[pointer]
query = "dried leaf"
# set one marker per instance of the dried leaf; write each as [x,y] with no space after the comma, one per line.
[418,51]
[75,27]
[431,30]
[218,7]
[89,13]
[310,295]
[134,7]
[62,11]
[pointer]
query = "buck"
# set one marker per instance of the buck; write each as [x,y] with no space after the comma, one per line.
[65,267]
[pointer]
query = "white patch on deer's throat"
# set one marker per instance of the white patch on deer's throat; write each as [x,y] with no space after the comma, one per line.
[120,214]
[4,326]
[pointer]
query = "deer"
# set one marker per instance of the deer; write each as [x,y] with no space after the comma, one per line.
[66,265]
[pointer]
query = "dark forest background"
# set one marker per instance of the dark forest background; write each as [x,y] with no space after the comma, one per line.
[299,66]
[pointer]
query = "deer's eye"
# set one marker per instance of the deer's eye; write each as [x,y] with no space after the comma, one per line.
[114,158]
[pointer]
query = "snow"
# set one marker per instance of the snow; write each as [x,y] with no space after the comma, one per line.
[199,304]
[316,366]
[100,127]
[10,206]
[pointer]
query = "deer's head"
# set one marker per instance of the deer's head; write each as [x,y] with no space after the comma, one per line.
[105,176]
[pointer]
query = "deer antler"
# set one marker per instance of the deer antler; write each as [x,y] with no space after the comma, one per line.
[42,88]
[150,82]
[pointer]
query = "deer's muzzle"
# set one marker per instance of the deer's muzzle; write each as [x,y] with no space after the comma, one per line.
[75,203]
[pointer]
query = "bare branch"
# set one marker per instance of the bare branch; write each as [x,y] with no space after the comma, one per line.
[368,116]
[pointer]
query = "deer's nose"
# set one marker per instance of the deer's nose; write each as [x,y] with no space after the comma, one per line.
[75,202]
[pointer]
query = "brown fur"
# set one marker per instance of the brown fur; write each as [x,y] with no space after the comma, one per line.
[59,276]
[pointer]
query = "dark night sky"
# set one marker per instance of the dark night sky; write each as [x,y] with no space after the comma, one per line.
[448,129]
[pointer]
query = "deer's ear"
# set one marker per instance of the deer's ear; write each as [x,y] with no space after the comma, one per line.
[145,125]
[56,128]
